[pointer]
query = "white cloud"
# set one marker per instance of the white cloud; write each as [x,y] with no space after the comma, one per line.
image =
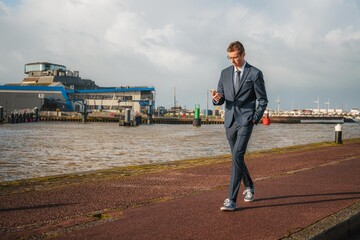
[339,36]
[159,46]
[301,46]
[126,30]
[4,10]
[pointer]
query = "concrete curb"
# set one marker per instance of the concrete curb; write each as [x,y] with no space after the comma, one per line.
[337,226]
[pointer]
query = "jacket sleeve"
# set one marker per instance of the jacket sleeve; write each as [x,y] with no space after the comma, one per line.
[261,97]
[220,89]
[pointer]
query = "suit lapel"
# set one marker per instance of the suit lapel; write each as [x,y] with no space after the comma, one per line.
[230,83]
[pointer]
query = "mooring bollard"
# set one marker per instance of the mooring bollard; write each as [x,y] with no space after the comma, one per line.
[338,134]
[1,115]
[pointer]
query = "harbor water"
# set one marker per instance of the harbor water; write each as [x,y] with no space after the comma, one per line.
[49,148]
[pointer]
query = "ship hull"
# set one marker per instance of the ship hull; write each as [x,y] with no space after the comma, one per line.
[305,119]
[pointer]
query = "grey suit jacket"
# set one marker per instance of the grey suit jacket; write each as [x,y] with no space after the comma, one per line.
[240,104]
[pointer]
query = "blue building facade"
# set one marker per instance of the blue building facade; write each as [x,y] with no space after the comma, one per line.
[51,87]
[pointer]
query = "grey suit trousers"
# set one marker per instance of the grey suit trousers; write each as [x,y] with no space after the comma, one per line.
[238,137]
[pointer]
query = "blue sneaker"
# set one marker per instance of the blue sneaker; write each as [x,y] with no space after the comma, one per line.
[229,205]
[249,194]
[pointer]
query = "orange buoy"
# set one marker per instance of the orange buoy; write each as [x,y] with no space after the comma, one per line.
[266,121]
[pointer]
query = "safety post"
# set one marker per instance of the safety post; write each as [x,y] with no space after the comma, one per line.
[338,134]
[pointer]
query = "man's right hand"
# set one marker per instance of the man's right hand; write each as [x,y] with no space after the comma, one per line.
[215,95]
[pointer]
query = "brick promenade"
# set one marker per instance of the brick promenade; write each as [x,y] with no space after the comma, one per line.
[295,188]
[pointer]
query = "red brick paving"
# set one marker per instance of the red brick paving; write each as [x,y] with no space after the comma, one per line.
[298,188]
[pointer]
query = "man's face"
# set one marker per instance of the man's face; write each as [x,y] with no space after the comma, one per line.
[236,59]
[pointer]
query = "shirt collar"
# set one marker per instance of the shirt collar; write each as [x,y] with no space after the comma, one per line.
[241,68]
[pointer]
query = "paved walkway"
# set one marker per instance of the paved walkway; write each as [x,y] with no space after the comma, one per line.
[294,189]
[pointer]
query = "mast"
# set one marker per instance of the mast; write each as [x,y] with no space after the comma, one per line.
[318,104]
[278,104]
[174,97]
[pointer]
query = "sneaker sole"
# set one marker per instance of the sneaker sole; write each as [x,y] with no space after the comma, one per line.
[227,209]
[247,200]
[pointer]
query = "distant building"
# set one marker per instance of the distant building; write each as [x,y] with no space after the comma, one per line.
[51,87]
[45,74]
[219,112]
[355,112]
[209,112]
[161,111]
[330,111]
[175,111]
[305,111]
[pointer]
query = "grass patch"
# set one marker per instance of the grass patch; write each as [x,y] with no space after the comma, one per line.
[101,216]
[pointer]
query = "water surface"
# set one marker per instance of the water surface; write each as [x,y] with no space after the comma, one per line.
[49,148]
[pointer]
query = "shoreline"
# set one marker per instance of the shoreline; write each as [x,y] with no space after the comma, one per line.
[293,119]
[133,170]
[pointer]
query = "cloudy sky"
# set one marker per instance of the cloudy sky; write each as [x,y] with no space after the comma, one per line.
[306,49]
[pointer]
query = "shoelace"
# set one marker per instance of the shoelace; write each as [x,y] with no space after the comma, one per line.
[228,202]
[247,191]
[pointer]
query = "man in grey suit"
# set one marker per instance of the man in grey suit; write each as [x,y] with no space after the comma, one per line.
[240,87]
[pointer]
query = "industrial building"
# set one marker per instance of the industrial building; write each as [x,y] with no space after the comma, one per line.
[51,87]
